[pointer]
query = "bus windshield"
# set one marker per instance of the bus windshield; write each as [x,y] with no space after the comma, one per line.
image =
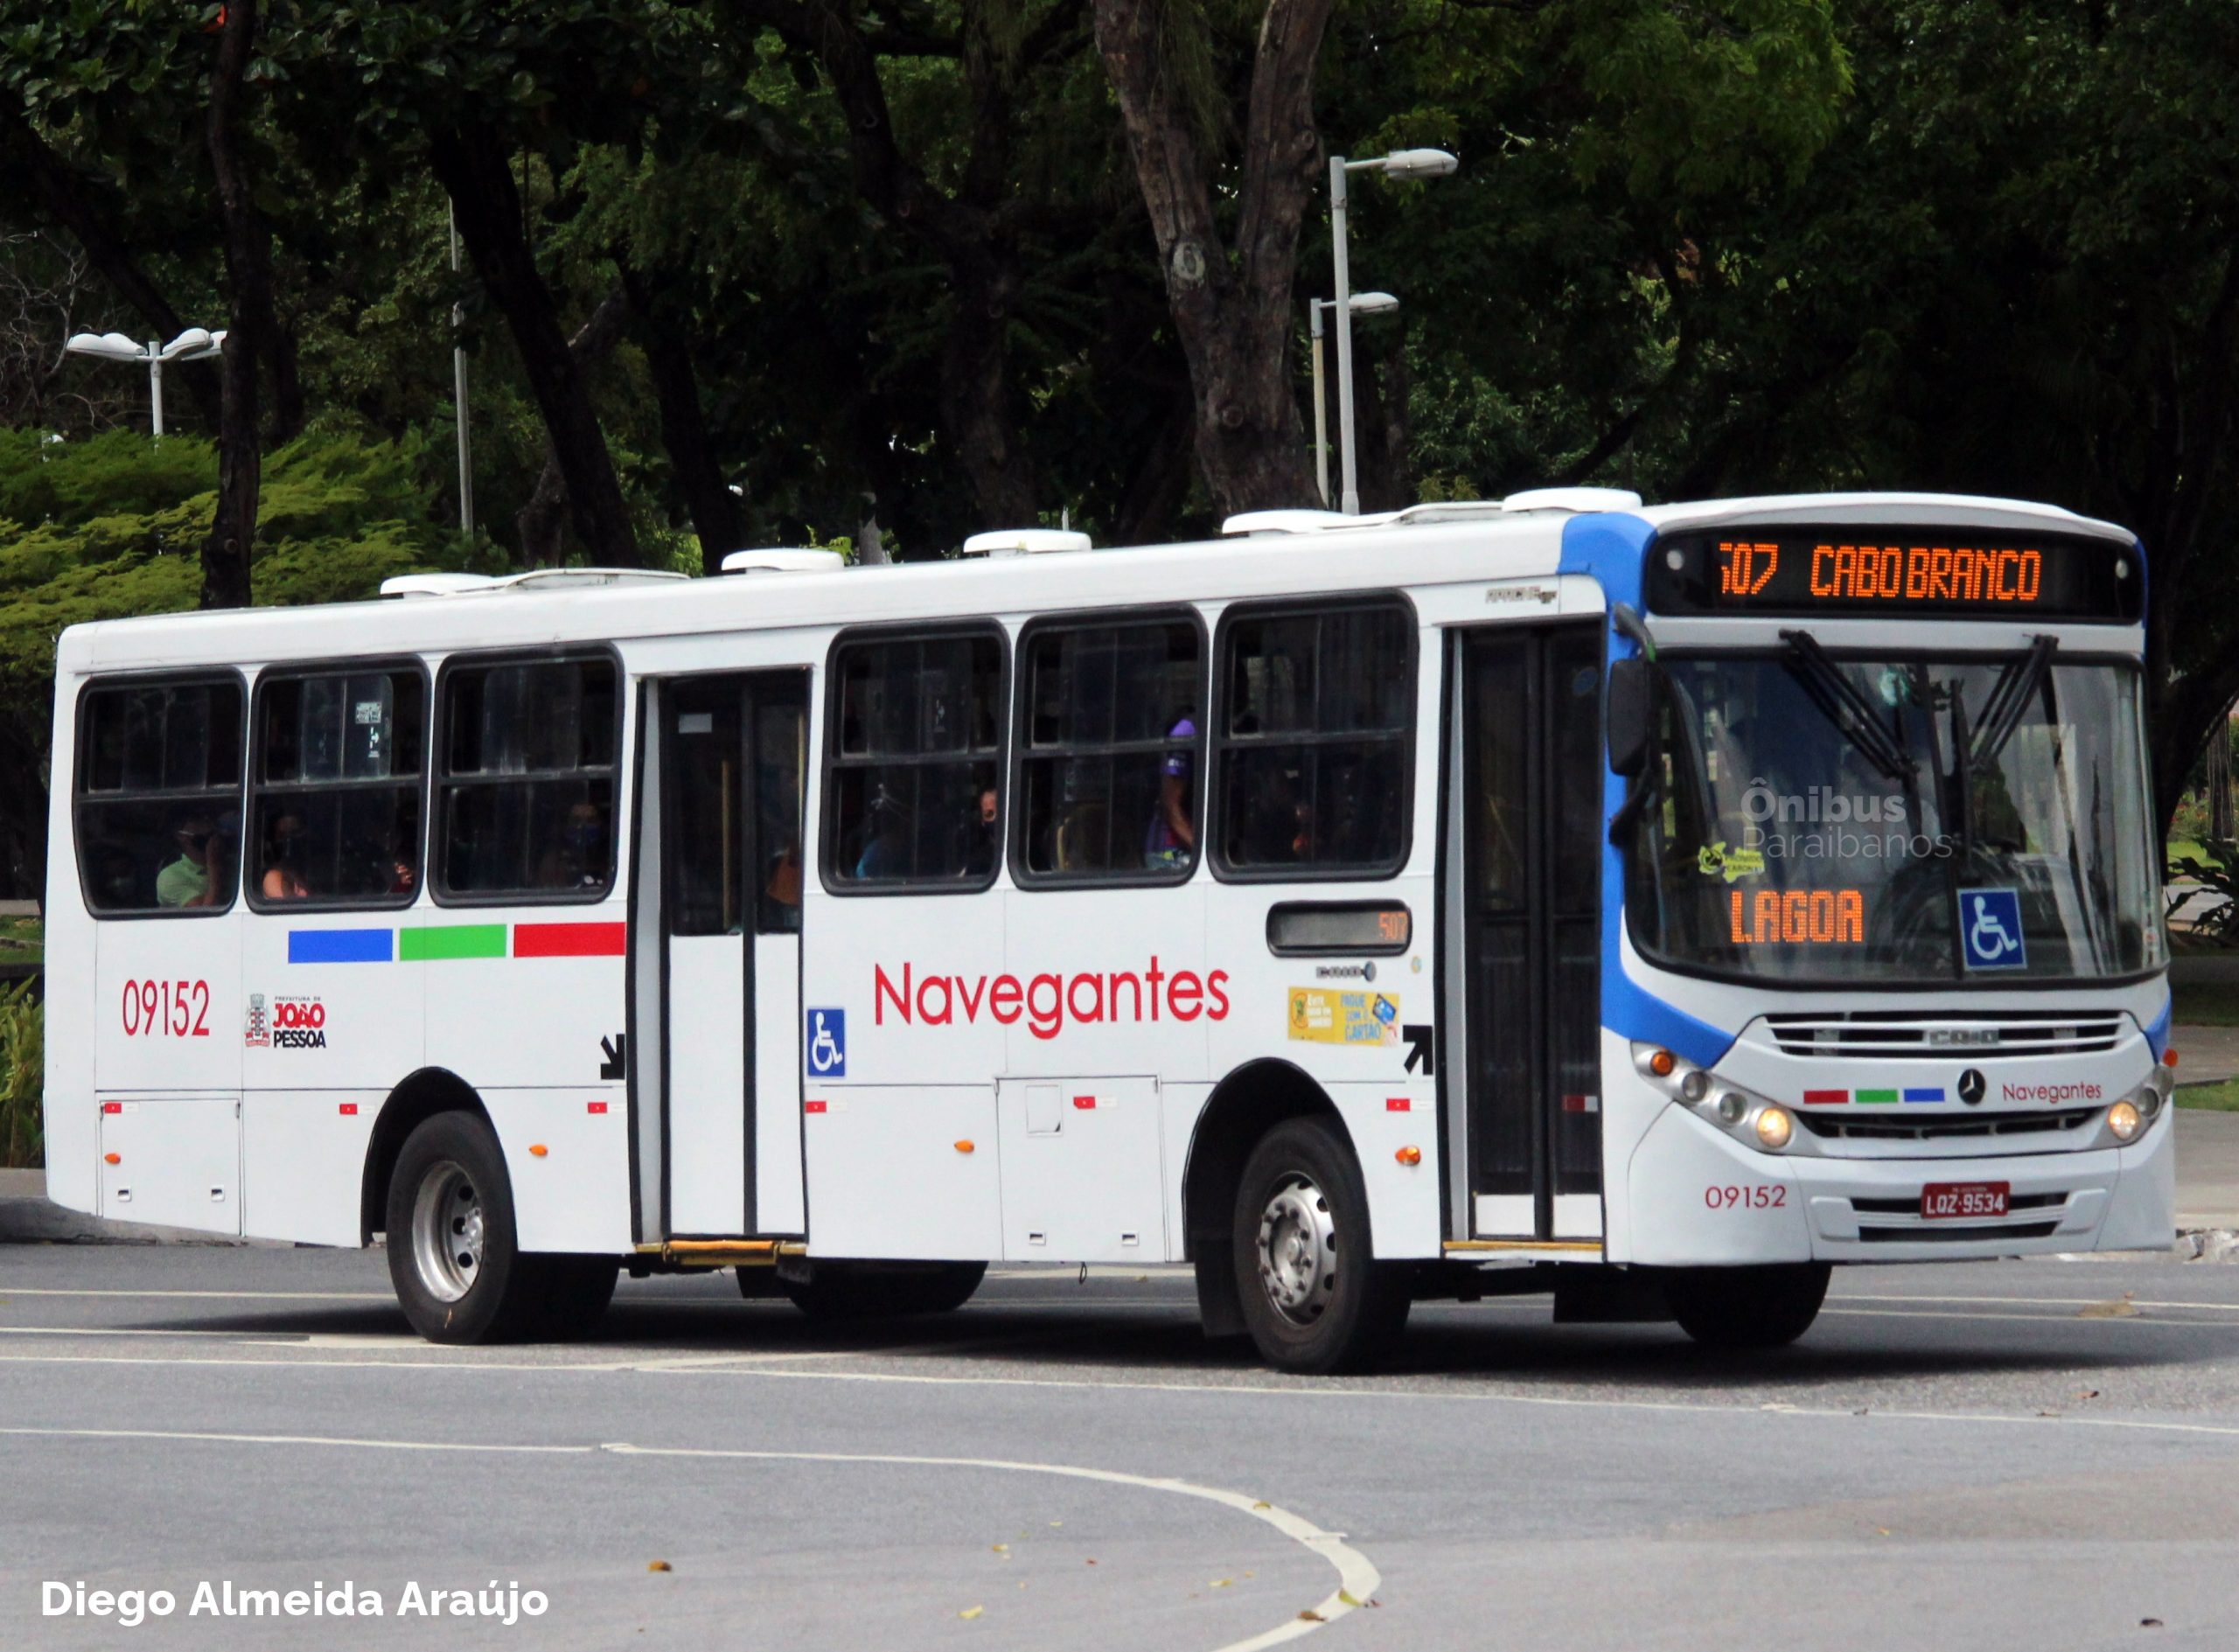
[1897,819]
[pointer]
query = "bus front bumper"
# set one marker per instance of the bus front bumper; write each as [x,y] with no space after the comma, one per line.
[1700,1198]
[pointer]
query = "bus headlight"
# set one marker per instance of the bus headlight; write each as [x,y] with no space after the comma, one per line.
[1775,1127]
[1733,1106]
[2149,1102]
[2125,1121]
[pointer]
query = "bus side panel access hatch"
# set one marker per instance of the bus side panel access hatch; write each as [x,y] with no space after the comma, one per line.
[1529,702]
[1080,1169]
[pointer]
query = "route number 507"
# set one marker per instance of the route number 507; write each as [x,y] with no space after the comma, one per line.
[167,1009]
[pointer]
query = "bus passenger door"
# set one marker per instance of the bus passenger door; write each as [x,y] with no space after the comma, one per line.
[731,752]
[1528,746]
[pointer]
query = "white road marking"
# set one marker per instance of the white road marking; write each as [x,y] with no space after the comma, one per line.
[2035,1301]
[1357,1578]
[2028,1319]
[223,1296]
[293,1440]
[1259,1391]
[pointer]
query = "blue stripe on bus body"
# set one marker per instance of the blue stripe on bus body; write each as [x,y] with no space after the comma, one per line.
[2157,1033]
[1924,1095]
[1612,548]
[341,946]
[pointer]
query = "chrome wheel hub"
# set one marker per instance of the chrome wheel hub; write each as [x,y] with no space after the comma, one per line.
[1298,1251]
[447,1232]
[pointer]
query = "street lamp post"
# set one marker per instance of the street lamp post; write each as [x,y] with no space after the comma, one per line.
[195,344]
[1358,304]
[1399,163]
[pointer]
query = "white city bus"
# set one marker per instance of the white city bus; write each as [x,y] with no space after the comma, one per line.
[1651,906]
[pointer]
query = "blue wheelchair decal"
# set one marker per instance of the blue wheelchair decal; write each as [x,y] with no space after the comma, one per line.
[825,1040]
[1989,929]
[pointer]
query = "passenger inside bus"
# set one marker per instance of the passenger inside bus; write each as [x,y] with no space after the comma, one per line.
[185,882]
[283,854]
[1172,839]
[575,858]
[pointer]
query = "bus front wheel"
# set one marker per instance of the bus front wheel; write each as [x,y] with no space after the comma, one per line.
[1747,1308]
[459,1275]
[1314,1298]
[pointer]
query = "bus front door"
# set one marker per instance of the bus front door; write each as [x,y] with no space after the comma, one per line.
[730,759]
[1527,744]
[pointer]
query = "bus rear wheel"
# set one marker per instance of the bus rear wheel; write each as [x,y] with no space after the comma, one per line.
[1747,1308]
[459,1274]
[1315,1299]
[880,1290]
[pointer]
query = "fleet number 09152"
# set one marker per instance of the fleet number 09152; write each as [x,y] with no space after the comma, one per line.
[1761,1195]
[167,1009]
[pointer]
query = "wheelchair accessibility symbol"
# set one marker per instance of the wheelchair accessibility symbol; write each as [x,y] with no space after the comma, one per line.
[1989,929]
[826,1043]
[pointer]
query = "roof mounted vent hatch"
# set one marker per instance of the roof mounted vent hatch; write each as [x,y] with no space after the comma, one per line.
[1025,541]
[784,560]
[536,579]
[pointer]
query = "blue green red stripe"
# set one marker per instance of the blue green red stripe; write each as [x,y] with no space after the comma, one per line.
[432,943]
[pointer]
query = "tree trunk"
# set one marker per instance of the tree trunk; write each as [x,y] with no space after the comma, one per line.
[472,167]
[248,280]
[718,517]
[1231,308]
[287,385]
[541,522]
[65,195]
[968,231]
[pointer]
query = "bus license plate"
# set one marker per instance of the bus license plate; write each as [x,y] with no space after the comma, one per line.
[1941,1199]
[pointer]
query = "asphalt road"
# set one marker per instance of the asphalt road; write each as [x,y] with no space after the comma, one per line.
[2038,1454]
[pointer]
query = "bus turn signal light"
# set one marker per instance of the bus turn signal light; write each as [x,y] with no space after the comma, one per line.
[1409,1155]
[964,1146]
[537,1150]
[112,1158]
[1662,1063]
[2169,1057]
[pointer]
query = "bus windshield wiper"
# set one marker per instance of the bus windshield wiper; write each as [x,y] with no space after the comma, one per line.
[1840,701]
[2009,699]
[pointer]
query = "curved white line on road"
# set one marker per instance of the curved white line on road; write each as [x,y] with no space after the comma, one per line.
[1357,1578]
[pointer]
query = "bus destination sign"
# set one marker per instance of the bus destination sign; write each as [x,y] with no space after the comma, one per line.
[1925,573]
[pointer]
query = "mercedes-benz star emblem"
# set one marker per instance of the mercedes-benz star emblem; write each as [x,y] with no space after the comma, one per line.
[1971,1086]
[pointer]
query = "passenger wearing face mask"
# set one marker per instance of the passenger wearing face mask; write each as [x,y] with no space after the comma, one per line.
[283,855]
[577,861]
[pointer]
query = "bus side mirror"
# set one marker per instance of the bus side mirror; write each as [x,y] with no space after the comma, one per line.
[1631,712]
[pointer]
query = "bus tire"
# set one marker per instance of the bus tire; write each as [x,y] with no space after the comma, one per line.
[883,1290]
[1315,1299]
[452,1255]
[1747,1308]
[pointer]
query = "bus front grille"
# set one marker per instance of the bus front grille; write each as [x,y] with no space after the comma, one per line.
[1852,1126]
[1908,1035]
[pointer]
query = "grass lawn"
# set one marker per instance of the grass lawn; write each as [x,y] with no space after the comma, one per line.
[2206,1003]
[2184,849]
[2224,1098]
[22,941]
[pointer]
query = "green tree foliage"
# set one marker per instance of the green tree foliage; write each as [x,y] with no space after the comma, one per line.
[112,526]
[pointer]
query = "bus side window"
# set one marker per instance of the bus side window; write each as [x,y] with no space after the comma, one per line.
[912,795]
[1109,767]
[525,786]
[158,796]
[1313,740]
[338,780]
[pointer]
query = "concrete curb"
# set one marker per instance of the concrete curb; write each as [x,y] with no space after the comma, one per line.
[2208,1244]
